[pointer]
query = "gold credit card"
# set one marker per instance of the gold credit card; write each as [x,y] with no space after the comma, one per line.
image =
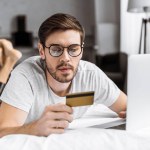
[80,99]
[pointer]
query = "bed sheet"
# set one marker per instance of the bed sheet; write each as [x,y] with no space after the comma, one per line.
[79,139]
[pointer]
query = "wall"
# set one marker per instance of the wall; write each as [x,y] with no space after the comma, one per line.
[107,26]
[107,11]
[38,10]
[130,30]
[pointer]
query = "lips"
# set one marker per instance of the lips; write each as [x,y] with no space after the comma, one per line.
[64,69]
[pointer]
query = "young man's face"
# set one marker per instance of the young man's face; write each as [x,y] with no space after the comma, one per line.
[64,67]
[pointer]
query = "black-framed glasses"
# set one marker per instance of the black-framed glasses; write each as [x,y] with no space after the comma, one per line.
[57,50]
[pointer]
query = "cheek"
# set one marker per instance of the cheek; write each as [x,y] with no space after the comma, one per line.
[79,58]
[81,55]
[76,63]
[51,63]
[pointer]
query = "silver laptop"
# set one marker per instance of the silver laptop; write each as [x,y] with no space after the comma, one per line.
[138,91]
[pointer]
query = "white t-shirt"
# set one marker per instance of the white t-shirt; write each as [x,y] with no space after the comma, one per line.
[27,88]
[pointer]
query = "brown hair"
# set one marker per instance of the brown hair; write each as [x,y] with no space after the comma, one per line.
[57,22]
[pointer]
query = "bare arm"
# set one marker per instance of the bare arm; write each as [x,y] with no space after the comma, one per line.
[120,105]
[54,119]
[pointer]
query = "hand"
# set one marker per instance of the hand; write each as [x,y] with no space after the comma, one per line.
[55,119]
[122,114]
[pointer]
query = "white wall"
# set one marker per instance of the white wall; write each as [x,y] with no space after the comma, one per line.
[107,11]
[130,30]
[38,10]
[107,28]
[107,38]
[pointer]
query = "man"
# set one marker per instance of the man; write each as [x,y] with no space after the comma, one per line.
[34,98]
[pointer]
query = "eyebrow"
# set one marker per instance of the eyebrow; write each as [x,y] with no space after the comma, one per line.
[63,45]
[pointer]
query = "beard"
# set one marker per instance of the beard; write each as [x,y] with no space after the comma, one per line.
[63,78]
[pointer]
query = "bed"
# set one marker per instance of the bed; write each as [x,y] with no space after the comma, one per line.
[81,137]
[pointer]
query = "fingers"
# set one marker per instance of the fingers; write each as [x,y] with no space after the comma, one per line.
[58,116]
[58,112]
[58,124]
[56,127]
[47,127]
[55,119]
[59,108]
[53,131]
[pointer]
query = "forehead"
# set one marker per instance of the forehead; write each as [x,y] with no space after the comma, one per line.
[64,37]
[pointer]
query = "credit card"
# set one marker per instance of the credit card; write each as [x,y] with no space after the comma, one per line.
[80,99]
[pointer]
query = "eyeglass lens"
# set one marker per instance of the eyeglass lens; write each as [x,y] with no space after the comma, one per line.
[73,50]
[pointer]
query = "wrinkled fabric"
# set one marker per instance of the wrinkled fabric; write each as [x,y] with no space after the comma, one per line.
[80,139]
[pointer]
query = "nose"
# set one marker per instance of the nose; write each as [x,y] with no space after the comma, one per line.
[65,56]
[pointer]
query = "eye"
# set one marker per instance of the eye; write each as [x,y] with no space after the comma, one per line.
[56,49]
[74,48]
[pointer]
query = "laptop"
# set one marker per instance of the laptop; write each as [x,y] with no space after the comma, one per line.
[138,103]
[138,91]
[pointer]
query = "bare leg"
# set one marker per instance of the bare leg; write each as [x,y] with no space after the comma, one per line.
[8,58]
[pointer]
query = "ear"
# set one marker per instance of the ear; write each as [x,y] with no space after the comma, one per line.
[41,50]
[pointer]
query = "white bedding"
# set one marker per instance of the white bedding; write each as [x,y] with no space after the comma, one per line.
[79,139]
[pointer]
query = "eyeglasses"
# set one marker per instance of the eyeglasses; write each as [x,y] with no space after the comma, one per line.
[57,50]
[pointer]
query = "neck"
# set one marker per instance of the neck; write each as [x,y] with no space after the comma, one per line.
[60,89]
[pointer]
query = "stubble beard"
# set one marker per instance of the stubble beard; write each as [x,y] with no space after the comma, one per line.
[63,78]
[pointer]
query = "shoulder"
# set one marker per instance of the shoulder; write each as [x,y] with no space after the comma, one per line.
[90,71]
[30,66]
[85,66]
